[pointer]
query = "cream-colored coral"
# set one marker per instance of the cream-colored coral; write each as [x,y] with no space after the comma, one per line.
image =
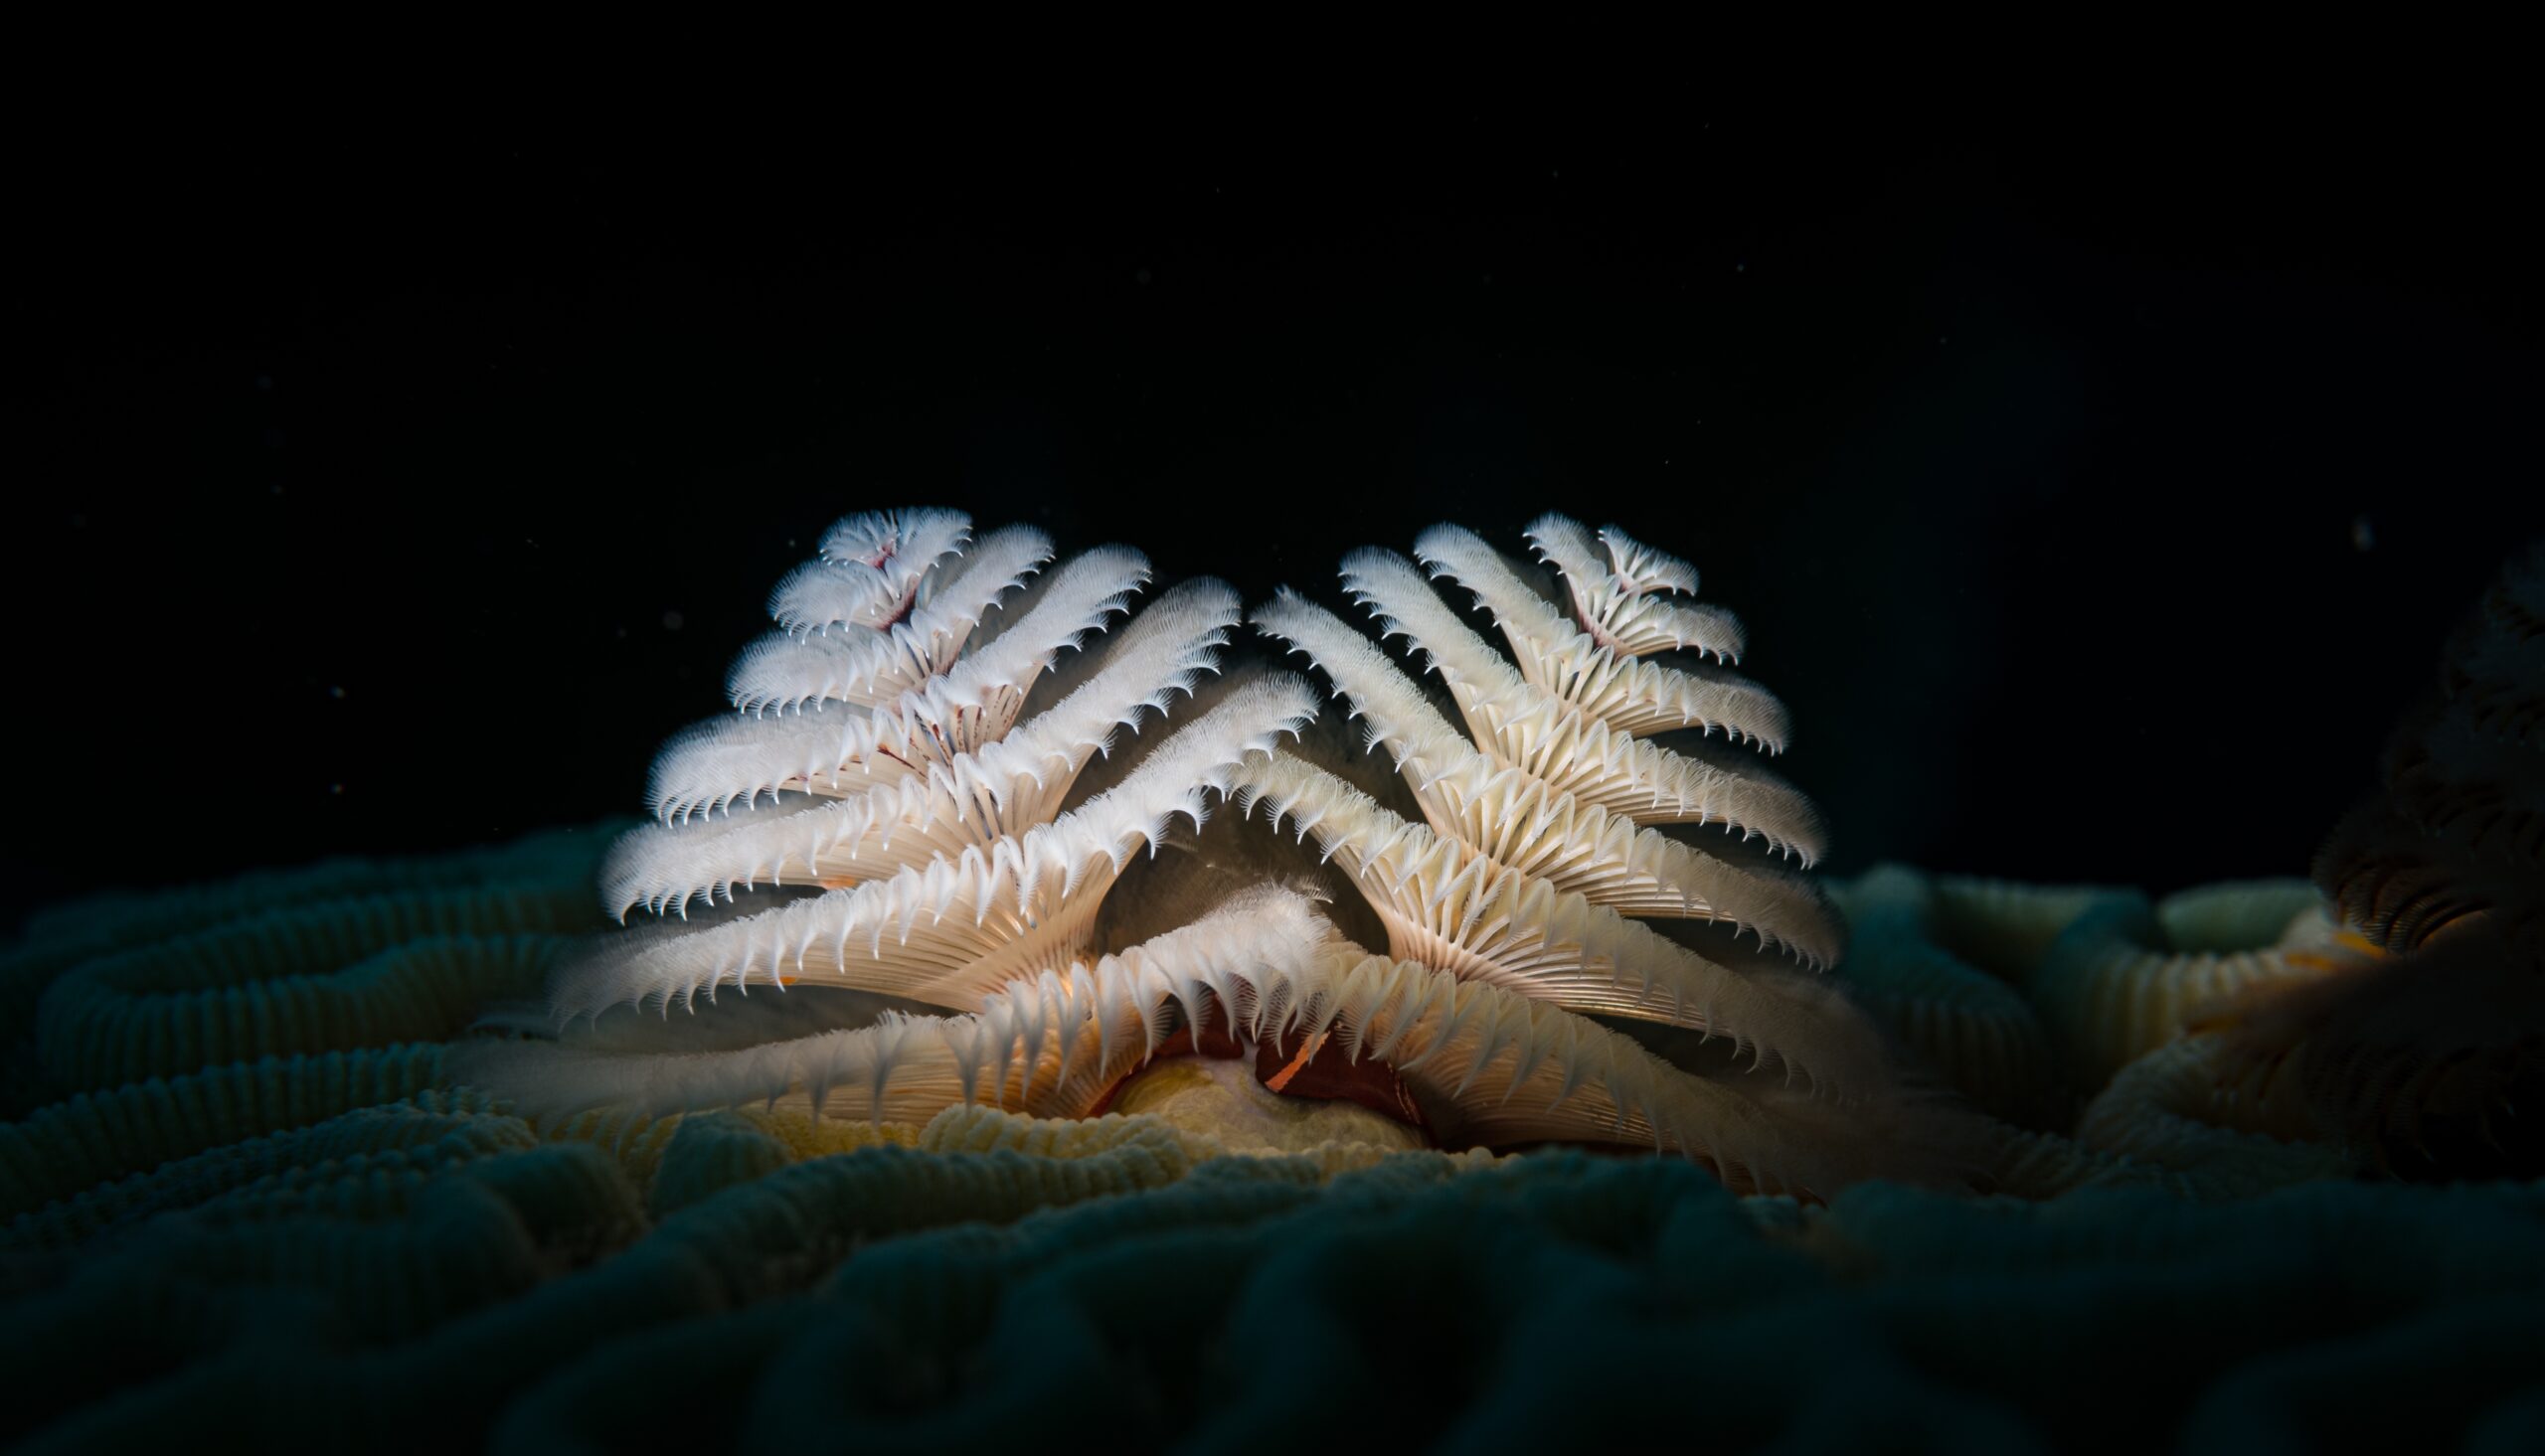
[2126,978]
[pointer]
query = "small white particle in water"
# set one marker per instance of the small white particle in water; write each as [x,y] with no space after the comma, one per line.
[671,621]
[336,691]
[2363,534]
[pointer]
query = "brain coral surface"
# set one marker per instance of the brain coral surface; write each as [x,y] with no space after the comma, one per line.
[247,1203]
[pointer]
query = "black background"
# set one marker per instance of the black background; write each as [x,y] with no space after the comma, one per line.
[2096,489]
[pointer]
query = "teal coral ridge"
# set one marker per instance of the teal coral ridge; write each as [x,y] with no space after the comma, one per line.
[426,1132]
[75,1143]
[98,927]
[236,994]
[136,1029]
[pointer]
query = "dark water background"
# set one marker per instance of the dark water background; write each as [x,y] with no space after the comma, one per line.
[2095,490]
